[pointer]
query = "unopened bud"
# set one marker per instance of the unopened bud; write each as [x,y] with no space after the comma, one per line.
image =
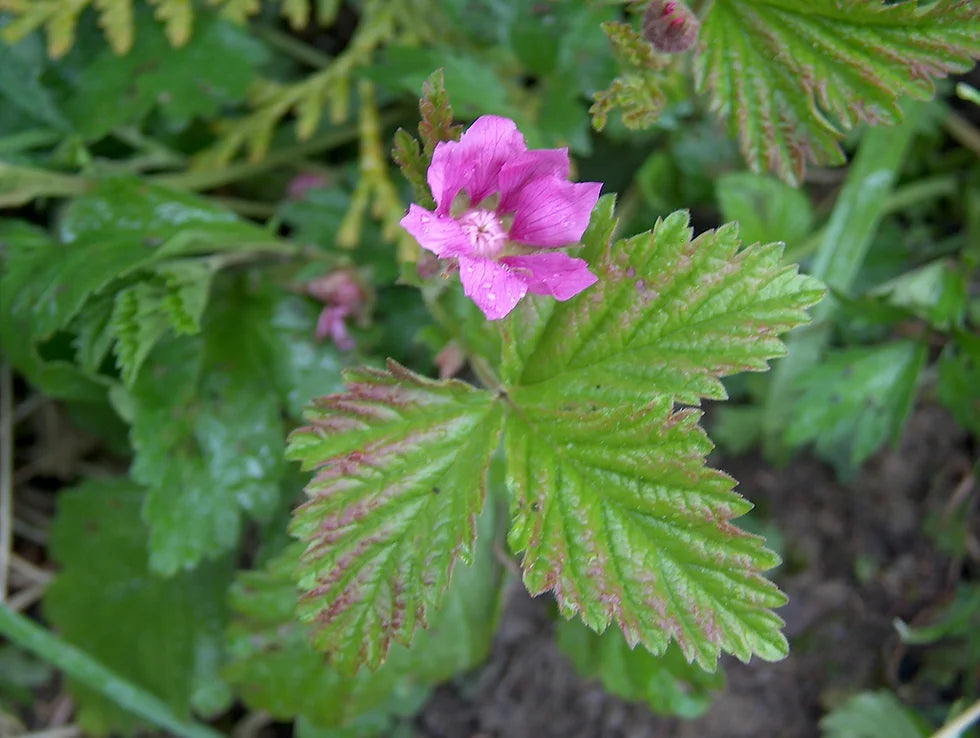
[670,26]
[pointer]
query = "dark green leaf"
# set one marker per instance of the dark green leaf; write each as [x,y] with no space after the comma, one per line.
[163,634]
[857,399]
[277,670]
[766,209]
[213,69]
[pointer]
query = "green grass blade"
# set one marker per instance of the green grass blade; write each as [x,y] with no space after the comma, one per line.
[79,665]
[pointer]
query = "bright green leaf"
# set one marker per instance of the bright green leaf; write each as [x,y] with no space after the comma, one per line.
[401,466]
[276,669]
[669,316]
[668,684]
[613,507]
[857,399]
[617,515]
[793,75]
[163,634]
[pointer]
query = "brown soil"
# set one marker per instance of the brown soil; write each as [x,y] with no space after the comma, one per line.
[856,558]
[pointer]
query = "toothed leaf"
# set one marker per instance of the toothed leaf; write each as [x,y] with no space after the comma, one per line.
[613,507]
[792,76]
[401,464]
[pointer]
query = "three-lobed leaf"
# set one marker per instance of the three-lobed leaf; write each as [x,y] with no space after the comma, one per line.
[401,467]
[613,507]
[792,76]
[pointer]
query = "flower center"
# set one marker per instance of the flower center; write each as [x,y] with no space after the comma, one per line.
[485,232]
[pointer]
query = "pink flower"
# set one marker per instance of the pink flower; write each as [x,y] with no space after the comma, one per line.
[344,297]
[501,210]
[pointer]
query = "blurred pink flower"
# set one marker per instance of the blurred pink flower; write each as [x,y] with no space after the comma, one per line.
[501,210]
[344,297]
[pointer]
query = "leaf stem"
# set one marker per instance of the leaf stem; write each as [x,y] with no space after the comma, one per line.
[79,665]
[955,727]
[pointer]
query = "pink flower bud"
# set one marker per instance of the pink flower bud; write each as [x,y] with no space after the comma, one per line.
[670,26]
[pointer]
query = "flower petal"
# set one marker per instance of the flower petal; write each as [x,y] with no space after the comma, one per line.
[553,273]
[491,285]
[438,234]
[552,212]
[516,173]
[474,162]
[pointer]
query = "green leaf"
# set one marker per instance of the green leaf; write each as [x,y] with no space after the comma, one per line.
[855,400]
[401,474]
[766,209]
[144,312]
[617,515]
[959,380]
[162,634]
[20,83]
[793,75]
[613,507]
[214,69]
[275,668]
[668,684]
[669,316]
[28,256]
[872,715]
[208,435]
[936,291]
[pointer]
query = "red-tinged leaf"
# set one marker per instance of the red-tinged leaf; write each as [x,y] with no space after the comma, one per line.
[401,471]
[617,515]
[793,75]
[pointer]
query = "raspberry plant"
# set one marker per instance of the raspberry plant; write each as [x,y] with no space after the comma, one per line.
[163,267]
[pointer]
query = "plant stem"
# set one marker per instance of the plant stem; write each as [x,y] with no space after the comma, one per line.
[962,130]
[79,665]
[955,727]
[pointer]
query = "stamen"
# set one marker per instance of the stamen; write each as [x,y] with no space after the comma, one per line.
[485,233]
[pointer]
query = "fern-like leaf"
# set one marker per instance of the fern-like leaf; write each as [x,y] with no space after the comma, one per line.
[177,17]
[793,75]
